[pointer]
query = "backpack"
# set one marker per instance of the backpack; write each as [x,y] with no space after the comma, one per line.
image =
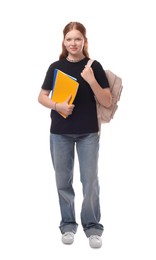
[115,82]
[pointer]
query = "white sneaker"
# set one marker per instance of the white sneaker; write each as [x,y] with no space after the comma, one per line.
[68,238]
[95,241]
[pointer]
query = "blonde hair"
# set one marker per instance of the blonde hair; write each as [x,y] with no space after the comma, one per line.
[69,27]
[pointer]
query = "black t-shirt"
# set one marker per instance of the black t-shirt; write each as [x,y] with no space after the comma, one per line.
[84,117]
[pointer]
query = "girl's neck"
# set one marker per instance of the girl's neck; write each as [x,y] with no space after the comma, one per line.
[75,59]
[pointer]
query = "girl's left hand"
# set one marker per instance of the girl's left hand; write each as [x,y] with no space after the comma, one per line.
[88,75]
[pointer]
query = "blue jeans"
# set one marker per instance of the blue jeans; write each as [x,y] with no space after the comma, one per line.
[62,152]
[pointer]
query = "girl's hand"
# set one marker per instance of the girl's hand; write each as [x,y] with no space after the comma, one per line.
[65,107]
[88,75]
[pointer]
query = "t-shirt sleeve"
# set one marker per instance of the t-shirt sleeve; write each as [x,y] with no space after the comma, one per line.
[100,74]
[48,81]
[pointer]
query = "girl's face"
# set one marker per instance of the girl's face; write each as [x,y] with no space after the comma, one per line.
[74,43]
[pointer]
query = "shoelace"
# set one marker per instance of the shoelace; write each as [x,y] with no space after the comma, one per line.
[68,233]
[95,236]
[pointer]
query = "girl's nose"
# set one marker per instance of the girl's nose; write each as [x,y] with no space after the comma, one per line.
[73,42]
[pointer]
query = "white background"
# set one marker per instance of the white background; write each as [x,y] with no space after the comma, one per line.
[121,36]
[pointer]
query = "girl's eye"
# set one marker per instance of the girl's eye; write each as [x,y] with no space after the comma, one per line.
[69,39]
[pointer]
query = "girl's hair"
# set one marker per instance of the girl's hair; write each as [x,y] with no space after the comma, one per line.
[74,26]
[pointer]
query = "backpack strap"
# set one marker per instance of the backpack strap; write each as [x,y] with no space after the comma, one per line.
[89,63]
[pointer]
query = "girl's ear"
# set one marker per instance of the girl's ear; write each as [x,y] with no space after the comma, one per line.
[64,43]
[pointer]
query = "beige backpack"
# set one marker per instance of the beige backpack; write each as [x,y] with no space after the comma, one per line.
[115,82]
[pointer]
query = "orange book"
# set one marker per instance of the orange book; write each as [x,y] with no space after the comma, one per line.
[64,85]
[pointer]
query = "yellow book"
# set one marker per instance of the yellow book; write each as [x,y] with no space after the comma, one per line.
[64,85]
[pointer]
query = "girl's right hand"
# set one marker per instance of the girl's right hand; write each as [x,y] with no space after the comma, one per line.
[65,107]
